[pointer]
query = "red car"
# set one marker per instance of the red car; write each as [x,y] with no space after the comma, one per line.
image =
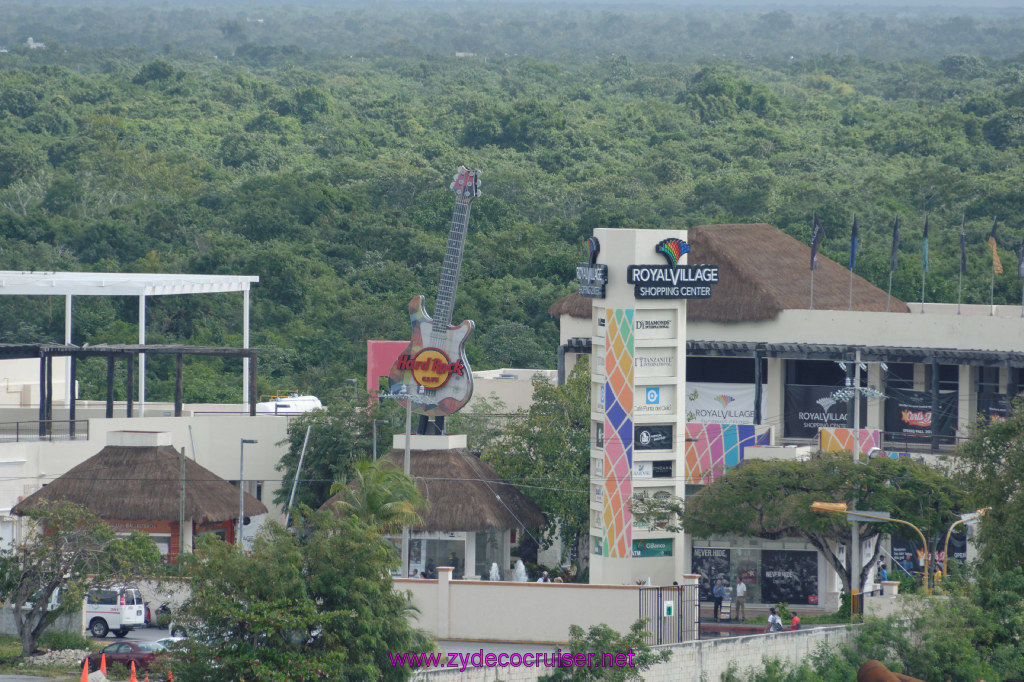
[123,653]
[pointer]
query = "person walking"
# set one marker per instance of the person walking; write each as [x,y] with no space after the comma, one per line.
[718,593]
[796,621]
[774,622]
[739,598]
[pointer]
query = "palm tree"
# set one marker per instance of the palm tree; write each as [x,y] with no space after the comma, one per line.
[381,496]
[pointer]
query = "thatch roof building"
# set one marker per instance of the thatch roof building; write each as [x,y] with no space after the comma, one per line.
[763,271]
[464,492]
[143,483]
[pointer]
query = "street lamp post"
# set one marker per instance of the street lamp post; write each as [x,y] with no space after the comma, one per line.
[971,517]
[840,508]
[241,487]
[375,423]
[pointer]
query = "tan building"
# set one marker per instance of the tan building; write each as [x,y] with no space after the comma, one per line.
[777,352]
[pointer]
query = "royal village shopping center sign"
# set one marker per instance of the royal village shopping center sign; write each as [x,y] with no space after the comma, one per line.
[672,281]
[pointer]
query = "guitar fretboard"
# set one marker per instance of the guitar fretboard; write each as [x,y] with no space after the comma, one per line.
[450,273]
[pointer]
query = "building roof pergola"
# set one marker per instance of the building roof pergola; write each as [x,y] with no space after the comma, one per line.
[71,284]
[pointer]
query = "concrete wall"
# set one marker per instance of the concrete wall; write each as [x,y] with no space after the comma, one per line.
[690,662]
[517,612]
[69,622]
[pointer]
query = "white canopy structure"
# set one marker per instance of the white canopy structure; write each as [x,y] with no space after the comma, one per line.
[70,284]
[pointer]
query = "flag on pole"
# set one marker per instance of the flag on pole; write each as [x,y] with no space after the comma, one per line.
[894,254]
[963,247]
[924,262]
[816,236]
[1020,260]
[853,243]
[997,266]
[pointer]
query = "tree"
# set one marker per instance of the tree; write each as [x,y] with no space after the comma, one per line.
[381,496]
[339,436]
[545,452]
[771,499]
[319,604]
[991,467]
[602,640]
[68,549]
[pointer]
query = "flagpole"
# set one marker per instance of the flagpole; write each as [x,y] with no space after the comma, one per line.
[889,299]
[922,292]
[851,291]
[812,289]
[959,292]
[992,295]
[963,263]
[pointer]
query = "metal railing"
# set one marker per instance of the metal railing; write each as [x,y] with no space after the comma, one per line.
[24,431]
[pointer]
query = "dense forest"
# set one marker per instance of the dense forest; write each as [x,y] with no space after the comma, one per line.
[313,146]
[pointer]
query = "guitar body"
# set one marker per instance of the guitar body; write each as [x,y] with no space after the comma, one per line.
[433,367]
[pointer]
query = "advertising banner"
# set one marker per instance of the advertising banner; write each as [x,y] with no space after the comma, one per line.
[711,564]
[995,407]
[909,413]
[908,553]
[789,576]
[653,437]
[649,548]
[714,403]
[809,408]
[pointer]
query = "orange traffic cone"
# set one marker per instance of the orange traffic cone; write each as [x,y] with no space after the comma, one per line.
[85,671]
[103,663]
[133,678]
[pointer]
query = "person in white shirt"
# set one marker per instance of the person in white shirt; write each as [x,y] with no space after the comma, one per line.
[737,604]
[543,577]
[774,622]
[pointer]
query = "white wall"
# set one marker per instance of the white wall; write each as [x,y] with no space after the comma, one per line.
[518,612]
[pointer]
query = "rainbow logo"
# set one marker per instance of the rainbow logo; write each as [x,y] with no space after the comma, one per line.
[724,399]
[593,248]
[673,249]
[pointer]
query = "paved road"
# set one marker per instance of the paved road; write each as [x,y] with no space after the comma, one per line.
[142,635]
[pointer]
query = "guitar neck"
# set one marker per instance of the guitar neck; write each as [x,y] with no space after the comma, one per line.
[450,272]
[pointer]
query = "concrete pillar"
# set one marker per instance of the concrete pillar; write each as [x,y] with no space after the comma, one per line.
[876,406]
[444,579]
[775,395]
[919,377]
[469,562]
[967,398]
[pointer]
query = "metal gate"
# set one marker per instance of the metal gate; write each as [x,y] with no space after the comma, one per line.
[672,613]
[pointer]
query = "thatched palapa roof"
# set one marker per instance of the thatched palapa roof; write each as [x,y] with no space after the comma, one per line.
[132,483]
[762,271]
[464,492]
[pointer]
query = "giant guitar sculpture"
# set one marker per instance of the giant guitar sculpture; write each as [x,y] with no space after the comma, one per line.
[433,372]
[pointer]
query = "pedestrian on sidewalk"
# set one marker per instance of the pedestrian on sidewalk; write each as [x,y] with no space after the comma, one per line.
[718,593]
[738,600]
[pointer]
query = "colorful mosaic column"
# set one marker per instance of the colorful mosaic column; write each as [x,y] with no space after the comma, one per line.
[618,431]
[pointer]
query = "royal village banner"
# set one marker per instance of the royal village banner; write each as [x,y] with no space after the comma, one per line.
[910,414]
[718,403]
[809,408]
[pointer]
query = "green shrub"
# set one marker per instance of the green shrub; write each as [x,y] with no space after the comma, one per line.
[63,640]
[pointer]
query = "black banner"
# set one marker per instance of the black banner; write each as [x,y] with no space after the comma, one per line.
[995,407]
[712,564]
[909,413]
[908,553]
[648,437]
[789,576]
[809,408]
